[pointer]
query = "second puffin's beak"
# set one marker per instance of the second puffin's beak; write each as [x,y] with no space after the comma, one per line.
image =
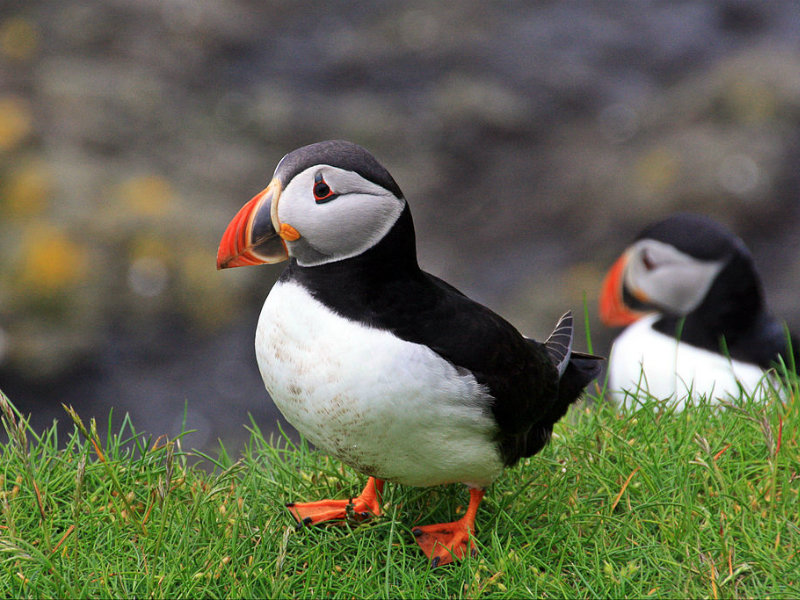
[613,310]
[252,238]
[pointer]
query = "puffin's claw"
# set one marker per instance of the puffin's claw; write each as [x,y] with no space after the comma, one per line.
[354,509]
[445,542]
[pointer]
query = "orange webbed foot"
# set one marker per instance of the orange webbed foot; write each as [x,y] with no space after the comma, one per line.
[445,542]
[365,504]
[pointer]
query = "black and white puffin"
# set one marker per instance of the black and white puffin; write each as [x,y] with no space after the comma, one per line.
[379,364]
[688,291]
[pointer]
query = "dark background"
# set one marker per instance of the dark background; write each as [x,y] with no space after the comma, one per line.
[532,140]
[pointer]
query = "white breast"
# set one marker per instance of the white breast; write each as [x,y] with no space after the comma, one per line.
[389,408]
[645,362]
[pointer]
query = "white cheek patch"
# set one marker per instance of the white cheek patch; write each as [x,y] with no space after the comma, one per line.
[676,281]
[357,219]
[355,223]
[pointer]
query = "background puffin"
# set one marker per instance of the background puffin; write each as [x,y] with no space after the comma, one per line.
[697,322]
[382,365]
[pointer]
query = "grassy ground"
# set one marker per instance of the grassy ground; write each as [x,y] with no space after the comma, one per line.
[643,503]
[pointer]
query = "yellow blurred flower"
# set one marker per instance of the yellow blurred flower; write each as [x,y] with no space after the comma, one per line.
[19,38]
[15,121]
[50,260]
[657,170]
[27,191]
[147,195]
[148,246]
[750,102]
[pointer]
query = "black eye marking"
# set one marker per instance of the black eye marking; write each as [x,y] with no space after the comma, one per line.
[322,191]
[647,261]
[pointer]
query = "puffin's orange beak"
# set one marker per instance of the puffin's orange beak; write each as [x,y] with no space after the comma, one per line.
[613,310]
[251,237]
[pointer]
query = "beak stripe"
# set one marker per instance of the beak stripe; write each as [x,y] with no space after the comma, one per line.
[613,310]
[238,248]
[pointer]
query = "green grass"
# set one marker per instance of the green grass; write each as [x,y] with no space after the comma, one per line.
[643,503]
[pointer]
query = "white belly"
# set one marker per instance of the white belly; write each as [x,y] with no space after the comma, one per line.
[389,408]
[657,365]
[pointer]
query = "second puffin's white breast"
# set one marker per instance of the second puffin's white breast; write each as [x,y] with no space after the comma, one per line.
[389,408]
[645,362]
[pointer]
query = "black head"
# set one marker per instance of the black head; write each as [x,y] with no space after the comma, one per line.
[677,266]
[336,153]
[698,236]
[327,202]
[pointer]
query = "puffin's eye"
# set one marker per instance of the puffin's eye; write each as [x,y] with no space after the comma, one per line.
[322,191]
[647,261]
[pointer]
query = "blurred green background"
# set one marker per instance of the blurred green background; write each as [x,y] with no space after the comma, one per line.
[532,140]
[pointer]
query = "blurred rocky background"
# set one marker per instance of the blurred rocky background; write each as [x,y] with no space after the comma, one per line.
[532,139]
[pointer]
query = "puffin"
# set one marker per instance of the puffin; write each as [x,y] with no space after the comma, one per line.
[697,324]
[379,364]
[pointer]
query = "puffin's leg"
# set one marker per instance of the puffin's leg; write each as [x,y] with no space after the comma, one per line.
[311,513]
[445,542]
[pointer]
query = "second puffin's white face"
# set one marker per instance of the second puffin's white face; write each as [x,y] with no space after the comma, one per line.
[337,213]
[658,274]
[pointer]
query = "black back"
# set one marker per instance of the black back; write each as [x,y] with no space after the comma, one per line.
[385,288]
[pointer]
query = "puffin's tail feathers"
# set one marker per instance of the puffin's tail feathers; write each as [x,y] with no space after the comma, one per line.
[580,371]
[575,371]
[559,343]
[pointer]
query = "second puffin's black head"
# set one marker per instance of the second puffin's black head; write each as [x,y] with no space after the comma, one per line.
[698,236]
[674,266]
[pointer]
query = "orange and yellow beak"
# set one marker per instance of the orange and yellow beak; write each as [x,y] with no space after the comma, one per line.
[252,237]
[613,310]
